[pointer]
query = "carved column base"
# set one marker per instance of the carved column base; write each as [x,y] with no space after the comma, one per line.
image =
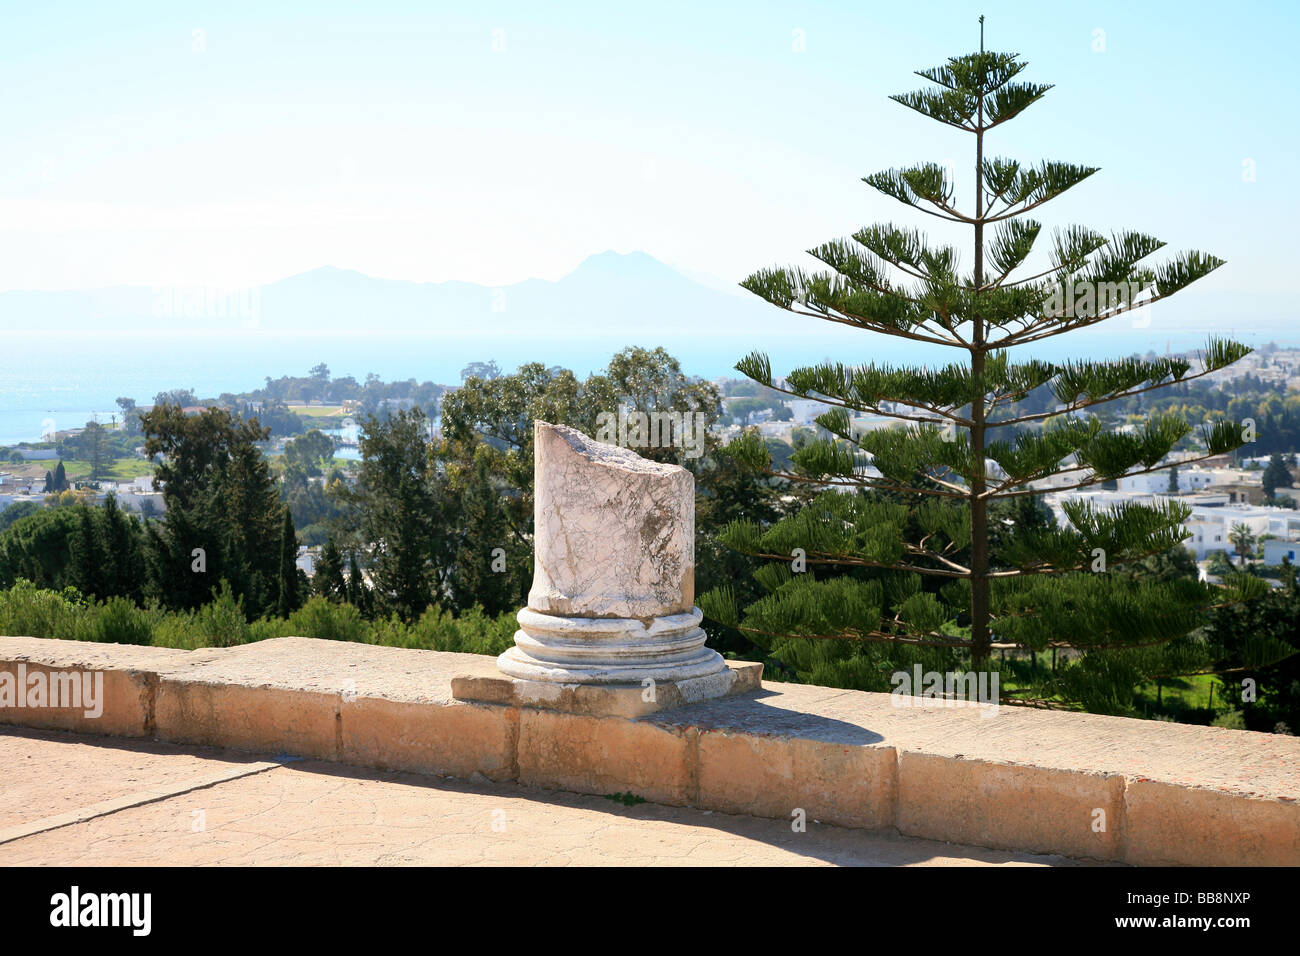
[581,650]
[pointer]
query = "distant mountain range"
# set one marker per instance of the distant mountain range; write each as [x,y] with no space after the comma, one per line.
[606,293]
[611,298]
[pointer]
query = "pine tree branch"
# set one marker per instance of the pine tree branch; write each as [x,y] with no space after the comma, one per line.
[848,561]
[952,211]
[1009,211]
[1084,566]
[517,531]
[875,484]
[959,569]
[872,637]
[1158,642]
[956,217]
[862,322]
[872,407]
[920,549]
[861,283]
[1064,271]
[1074,407]
[995,493]
[907,269]
[1069,324]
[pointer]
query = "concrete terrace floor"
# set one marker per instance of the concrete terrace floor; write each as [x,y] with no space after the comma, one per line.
[68,799]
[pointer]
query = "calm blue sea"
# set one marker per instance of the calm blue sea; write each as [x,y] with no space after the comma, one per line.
[52,382]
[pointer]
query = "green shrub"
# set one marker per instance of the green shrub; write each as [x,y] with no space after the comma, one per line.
[477,633]
[28,610]
[434,631]
[176,629]
[474,632]
[263,629]
[119,621]
[394,632]
[325,619]
[1230,718]
[221,622]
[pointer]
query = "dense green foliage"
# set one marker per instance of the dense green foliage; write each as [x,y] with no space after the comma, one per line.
[26,609]
[929,550]
[98,551]
[1276,617]
[396,507]
[224,516]
[1275,476]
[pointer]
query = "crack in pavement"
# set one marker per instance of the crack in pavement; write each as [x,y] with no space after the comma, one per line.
[141,798]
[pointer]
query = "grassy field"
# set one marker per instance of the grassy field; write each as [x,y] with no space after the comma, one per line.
[343,464]
[124,469]
[1188,691]
[1176,694]
[317,411]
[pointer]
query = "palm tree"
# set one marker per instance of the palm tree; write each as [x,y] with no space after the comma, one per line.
[1243,540]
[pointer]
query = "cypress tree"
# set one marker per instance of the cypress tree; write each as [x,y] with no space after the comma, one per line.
[1275,476]
[87,560]
[288,587]
[358,591]
[862,586]
[396,507]
[328,580]
[182,563]
[94,438]
[484,574]
[221,498]
[123,562]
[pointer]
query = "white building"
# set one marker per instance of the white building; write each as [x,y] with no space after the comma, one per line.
[8,498]
[307,558]
[1210,522]
[1207,537]
[805,410]
[1189,479]
[1275,550]
[780,430]
[142,502]
[867,422]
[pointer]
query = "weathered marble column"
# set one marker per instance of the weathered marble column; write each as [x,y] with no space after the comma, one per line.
[613,595]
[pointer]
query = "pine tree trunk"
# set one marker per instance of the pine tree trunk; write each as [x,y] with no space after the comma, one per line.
[979,595]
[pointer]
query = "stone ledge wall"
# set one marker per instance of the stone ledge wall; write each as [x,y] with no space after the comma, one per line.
[1108,788]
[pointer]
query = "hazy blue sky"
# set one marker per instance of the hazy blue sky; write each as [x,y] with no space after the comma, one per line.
[236,143]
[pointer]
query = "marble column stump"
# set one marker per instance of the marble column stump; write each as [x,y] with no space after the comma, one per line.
[611,625]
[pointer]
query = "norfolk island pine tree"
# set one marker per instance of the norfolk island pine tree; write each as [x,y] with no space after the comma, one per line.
[860,586]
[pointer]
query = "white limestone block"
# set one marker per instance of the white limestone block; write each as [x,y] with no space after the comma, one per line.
[614,534]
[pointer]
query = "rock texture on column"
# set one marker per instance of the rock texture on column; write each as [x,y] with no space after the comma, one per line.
[613,595]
